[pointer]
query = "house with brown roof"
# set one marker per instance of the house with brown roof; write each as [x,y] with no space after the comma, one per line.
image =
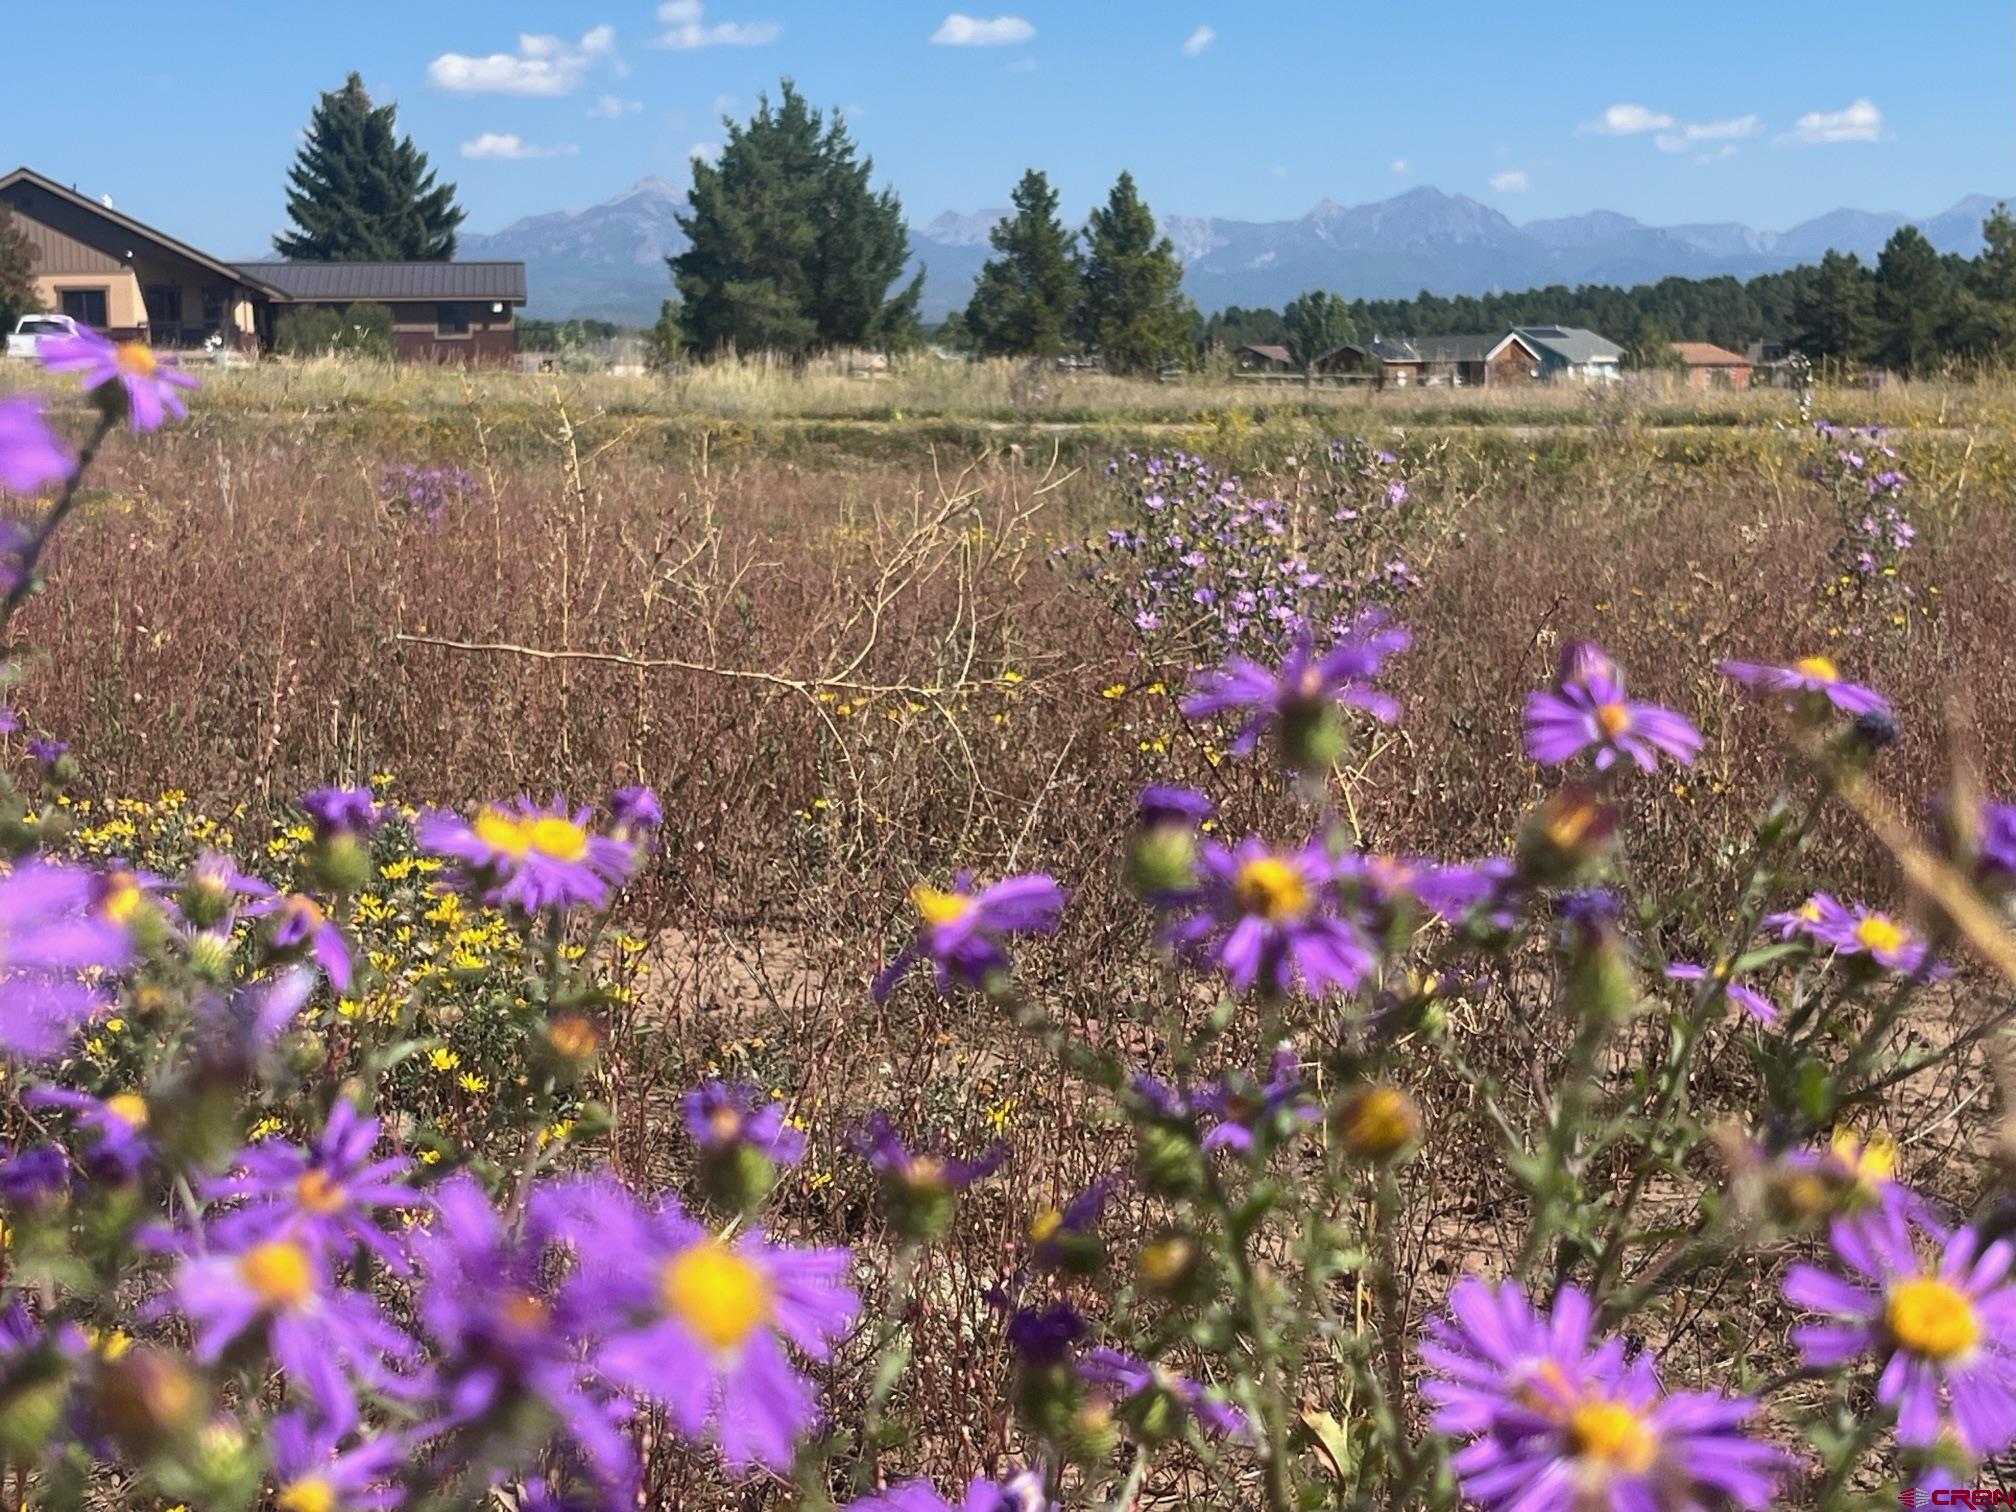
[107,270]
[1711,366]
[1263,357]
[1461,361]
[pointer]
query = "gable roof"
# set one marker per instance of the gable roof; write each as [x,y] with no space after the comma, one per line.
[1468,346]
[1707,354]
[342,282]
[1571,344]
[133,227]
[1267,350]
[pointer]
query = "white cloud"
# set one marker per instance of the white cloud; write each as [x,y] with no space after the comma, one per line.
[854,112]
[1198,40]
[543,65]
[1629,120]
[1860,122]
[685,28]
[969,31]
[704,152]
[1511,181]
[1401,165]
[1721,154]
[609,107]
[1706,131]
[509,147]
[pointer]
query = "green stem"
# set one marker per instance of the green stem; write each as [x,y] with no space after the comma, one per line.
[31,552]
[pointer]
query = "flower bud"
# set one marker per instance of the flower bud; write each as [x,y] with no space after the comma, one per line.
[31,1406]
[341,863]
[1060,1246]
[1091,1433]
[1171,1266]
[1312,735]
[1377,1122]
[1566,838]
[569,1046]
[736,1177]
[148,1399]
[1170,1162]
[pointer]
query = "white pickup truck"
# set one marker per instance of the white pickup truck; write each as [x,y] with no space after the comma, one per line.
[30,329]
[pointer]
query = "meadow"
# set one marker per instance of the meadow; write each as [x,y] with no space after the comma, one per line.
[861,636]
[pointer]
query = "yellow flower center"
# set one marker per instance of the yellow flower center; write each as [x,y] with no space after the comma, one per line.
[130,1108]
[278,1274]
[722,1297]
[1930,1318]
[311,1495]
[317,1194]
[938,908]
[1377,1122]
[1167,1261]
[1272,889]
[1870,1162]
[1045,1225]
[1878,935]
[548,834]
[1614,1436]
[136,359]
[1819,668]
[1613,719]
[122,897]
[523,1312]
[572,1037]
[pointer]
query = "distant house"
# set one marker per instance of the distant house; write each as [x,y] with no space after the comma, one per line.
[1573,353]
[134,283]
[1261,357]
[442,312]
[1711,366]
[1465,361]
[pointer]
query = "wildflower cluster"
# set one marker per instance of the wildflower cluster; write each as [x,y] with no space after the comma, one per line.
[425,494]
[1862,470]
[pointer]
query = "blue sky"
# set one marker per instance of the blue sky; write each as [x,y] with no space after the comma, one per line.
[1716,110]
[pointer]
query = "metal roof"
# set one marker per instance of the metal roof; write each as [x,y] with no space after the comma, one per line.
[1267,350]
[1707,354]
[1456,347]
[341,282]
[1571,344]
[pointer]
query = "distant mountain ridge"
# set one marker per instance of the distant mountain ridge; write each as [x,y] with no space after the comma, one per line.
[607,261]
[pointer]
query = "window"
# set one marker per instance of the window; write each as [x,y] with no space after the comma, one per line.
[213,307]
[451,319]
[85,306]
[164,304]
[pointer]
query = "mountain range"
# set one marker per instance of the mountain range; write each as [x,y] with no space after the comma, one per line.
[608,261]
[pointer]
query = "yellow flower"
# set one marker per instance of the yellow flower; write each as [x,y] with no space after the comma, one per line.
[441,1058]
[1115,690]
[265,1128]
[429,1157]
[469,1081]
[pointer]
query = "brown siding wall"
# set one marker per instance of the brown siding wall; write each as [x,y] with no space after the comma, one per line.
[1513,365]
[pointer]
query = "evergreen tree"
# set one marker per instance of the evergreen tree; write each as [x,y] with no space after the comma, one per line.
[1315,323]
[1913,297]
[1132,308]
[1986,318]
[789,246]
[360,192]
[1028,293]
[1834,316]
[17,271]
[665,342]
[1650,349]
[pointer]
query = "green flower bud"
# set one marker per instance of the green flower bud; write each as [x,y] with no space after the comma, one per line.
[147,1400]
[1162,859]
[1312,736]
[736,1177]
[341,864]
[1171,1164]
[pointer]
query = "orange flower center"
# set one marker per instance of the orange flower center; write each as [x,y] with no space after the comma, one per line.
[278,1274]
[1931,1318]
[311,1495]
[1878,935]
[1613,719]
[720,1295]
[135,359]
[130,1108]
[1614,1436]
[938,908]
[317,1194]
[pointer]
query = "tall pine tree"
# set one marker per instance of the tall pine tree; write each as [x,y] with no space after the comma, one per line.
[1027,294]
[17,271]
[1132,307]
[360,192]
[1315,323]
[790,248]
[1833,315]
[1913,302]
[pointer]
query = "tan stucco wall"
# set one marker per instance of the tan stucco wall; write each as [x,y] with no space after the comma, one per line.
[123,309]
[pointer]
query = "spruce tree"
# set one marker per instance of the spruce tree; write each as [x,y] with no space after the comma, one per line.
[1833,313]
[17,271]
[1913,302]
[789,246]
[1132,307]
[360,192]
[1315,323]
[1026,296]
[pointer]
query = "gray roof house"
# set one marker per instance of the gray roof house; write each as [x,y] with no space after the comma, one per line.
[459,312]
[1462,359]
[1571,352]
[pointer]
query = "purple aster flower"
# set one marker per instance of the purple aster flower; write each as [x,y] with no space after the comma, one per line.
[320,1334]
[1067,1238]
[34,1178]
[1554,1419]
[30,454]
[215,889]
[1242,1108]
[48,751]
[117,1124]
[148,378]
[919,1186]
[1043,1336]
[1144,1383]
[533,858]
[239,1028]
[1945,1328]
[337,811]
[298,923]
[960,931]
[699,1324]
[1996,845]
[504,1339]
[121,894]
[1160,804]
[1859,930]
[326,1195]
[633,810]
[1306,687]
[49,941]
[1587,707]
[1022,1492]
[313,1472]
[1749,999]
[1853,1174]
[1810,675]
[723,1117]
[1268,917]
